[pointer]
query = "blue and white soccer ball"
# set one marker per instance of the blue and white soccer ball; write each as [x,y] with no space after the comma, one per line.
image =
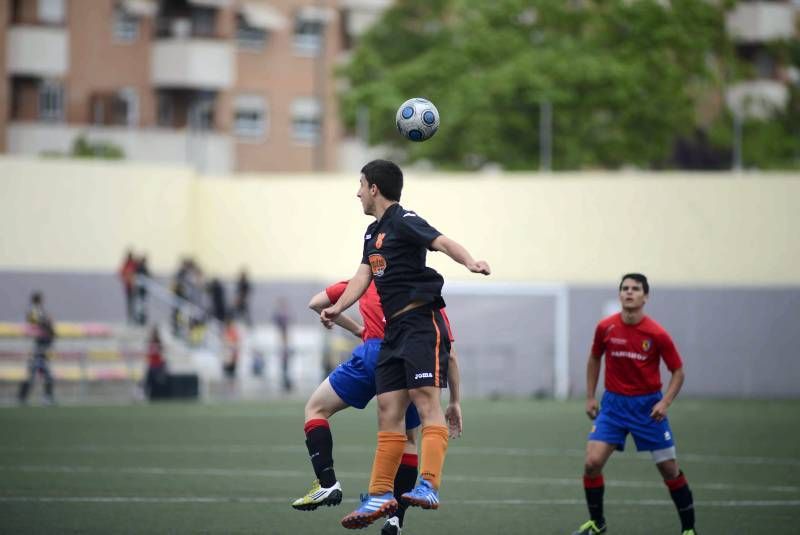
[417,119]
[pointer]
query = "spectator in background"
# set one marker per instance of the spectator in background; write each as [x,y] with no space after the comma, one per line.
[231,341]
[142,276]
[216,296]
[241,305]
[43,330]
[282,319]
[127,274]
[156,378]
[180,287]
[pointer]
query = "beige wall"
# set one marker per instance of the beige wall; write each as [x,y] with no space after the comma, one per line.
[710,229]
[77,216]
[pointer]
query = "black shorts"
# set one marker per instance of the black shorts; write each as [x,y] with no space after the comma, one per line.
[415,351]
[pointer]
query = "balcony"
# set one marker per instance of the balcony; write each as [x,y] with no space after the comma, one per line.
[207,152]
[193,64]
[38,51]
[759,99]
[758,22]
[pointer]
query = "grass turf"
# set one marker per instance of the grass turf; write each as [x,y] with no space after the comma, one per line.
[235,468]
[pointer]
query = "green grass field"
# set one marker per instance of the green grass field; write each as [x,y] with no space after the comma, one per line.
[192,468]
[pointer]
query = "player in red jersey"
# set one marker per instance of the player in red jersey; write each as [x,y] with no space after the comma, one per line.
[352,384]
[634,346]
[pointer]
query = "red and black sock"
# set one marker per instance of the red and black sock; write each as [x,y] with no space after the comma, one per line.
[594,487]
[682,497]
[319,442]
[404,481]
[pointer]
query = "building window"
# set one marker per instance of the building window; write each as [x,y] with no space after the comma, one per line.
[306,120]
[126,26]
[250,117]
[309,28]
[166,109]
[201,111]
[126,107]
[249,37]
[204,21]
[51,101]
[51,11]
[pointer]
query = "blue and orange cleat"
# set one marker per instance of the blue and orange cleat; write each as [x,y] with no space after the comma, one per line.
[423,495]
[372,508]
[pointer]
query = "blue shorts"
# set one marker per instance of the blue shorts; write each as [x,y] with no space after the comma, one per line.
[354,380]
[620,415]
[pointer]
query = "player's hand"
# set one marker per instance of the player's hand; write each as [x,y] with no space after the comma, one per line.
[659,411]
[481,266]
[328,315]
[591,408]
[454,422]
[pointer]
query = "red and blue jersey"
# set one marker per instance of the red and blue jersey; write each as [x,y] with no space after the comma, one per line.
[633,354]
[369,305]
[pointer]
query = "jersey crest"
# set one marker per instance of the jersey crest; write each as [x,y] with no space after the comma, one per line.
[646,345]
[378,264]
[379,240]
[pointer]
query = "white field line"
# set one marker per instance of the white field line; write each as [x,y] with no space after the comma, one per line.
[455,449]
[301,474]
[160,500]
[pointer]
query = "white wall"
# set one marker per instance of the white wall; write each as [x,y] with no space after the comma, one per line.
[579,228]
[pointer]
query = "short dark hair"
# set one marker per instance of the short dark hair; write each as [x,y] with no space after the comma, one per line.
[387,176]
[638,277]
[36,297]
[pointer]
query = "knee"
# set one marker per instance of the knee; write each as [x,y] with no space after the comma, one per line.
[593,466]
[316,411]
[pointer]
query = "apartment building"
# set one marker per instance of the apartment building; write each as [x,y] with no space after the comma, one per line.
[221,85]
[754,27]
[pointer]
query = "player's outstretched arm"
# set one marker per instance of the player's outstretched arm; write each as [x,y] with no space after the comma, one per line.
[453,412]
[355,289]
[659,411]
[321,301]
[459,253]
[592,376]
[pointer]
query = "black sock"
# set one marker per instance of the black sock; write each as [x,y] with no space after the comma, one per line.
[593,488]
[682,497]
[404,481]
[319,442]
[24,387]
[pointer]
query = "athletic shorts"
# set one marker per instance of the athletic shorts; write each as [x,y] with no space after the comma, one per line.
[354,380]
[620,415]
[415,351]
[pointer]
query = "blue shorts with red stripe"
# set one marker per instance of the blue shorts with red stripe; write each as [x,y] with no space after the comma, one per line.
[620,415]
[354,380]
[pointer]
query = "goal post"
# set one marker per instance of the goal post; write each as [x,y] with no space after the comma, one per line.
[494,299]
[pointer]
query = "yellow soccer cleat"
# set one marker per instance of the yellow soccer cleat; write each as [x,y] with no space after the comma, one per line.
[319,496]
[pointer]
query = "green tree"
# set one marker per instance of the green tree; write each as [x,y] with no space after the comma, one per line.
[621,76]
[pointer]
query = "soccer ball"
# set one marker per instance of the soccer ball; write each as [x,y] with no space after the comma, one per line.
[417,119]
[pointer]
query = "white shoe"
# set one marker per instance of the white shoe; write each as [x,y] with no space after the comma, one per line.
[319,496]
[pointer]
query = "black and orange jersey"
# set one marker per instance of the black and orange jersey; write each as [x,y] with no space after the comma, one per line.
[395,248]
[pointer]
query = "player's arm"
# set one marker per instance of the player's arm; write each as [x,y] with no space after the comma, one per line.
[671,357]
[459,253]
[355,289]
[453,412]
[659,411]
[592,377]
[321,301]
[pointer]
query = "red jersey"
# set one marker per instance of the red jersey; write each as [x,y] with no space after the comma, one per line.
[371,310]
[633,354]
[369,305]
